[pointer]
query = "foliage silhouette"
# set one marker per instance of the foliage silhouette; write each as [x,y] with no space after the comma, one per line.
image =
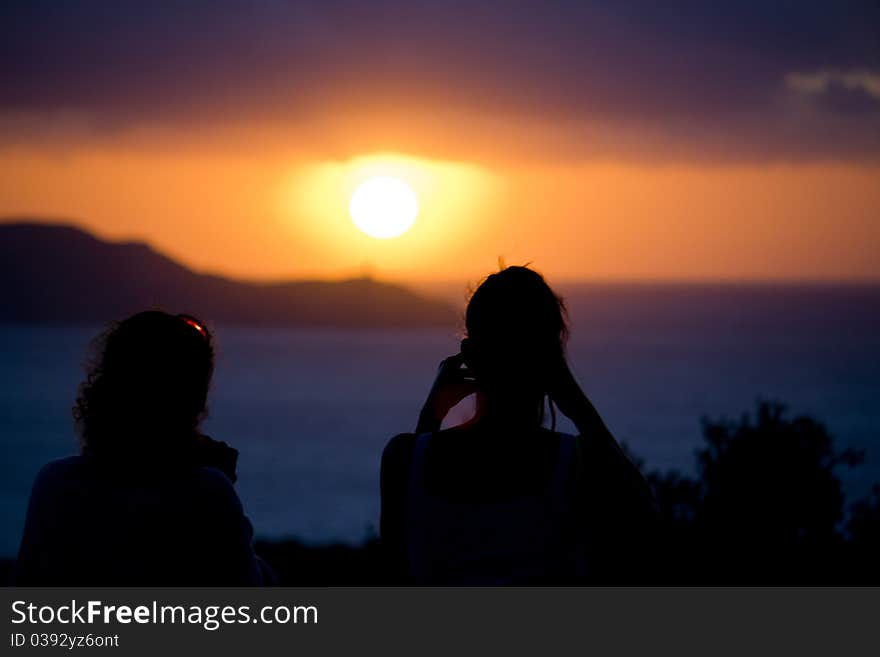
[863,533]
[766,506]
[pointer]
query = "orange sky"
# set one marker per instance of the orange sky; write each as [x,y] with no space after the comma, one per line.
[595,140]
[269,213]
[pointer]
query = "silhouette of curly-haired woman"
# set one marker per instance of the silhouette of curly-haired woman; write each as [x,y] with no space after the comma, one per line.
[501,499]
[149,500]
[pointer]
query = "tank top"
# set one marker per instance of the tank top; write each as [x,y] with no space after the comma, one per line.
[529,539]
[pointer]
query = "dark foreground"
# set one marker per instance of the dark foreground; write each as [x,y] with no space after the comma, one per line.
[298,564]
[766,507]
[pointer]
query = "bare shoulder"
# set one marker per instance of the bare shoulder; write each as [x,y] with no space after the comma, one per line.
[398,453]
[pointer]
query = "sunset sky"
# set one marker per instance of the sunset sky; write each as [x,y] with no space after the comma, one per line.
[625,140]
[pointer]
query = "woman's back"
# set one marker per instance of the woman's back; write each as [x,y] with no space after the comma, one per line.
[483,510]
[92,524]
[502,500]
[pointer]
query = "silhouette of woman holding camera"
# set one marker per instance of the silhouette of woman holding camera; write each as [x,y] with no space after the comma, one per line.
[500,499]
[149,500]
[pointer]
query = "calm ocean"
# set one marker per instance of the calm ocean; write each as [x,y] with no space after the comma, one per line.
[310,410]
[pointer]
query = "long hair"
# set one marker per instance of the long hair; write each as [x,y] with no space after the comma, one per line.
[146,384]
[518,328]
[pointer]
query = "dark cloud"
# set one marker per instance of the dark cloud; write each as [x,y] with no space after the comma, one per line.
[692,76]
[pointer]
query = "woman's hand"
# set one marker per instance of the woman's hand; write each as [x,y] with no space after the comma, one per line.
[453,383]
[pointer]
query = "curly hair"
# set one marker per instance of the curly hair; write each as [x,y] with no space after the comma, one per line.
[146,383]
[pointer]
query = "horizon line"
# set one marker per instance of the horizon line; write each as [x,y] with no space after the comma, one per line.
[418,281]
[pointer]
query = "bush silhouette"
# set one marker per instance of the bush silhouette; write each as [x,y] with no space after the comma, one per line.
[766,507]
[863,532]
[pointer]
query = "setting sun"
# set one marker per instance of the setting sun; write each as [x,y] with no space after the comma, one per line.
[383,207]
[352,220]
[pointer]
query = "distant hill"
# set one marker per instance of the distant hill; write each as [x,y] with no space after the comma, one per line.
[60,273]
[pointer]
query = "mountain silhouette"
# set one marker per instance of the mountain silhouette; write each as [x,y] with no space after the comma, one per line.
[61,274]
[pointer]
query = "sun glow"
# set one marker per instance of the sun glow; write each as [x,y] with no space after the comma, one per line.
[420,210]
[383,207]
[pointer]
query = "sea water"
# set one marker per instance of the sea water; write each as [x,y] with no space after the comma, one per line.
[310,410]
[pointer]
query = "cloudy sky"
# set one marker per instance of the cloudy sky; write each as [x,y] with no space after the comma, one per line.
[627,139]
